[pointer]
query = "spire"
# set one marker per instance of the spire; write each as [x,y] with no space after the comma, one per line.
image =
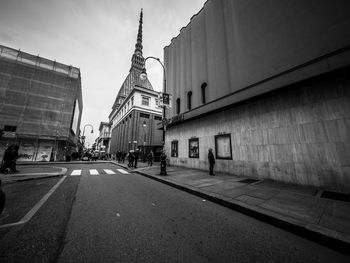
[137,61]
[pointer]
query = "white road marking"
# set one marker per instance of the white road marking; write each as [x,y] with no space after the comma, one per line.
[122,171]
[93,172]
[37,206]
[108,171]
[75,173]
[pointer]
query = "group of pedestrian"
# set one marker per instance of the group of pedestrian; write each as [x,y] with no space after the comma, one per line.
[8,164]
[132,158]
[120,156]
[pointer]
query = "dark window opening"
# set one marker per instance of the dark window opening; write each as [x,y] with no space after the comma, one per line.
[203,89]
[178,106]
[143,115]
[189,100]
[10,128]
[158,118]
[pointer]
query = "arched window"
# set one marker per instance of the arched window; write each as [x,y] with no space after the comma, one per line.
[203,90]
[178,106]
[189,100]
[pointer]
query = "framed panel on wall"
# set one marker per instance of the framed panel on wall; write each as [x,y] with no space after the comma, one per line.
[223,148]
[193,148]
[174,148]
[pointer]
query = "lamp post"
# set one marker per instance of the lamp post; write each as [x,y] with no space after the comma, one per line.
[83,137]
[143,76]
[144,125]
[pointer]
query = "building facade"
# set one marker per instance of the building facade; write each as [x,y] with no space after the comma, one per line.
[104,138]
[40,106]
[268,89]
[135,112]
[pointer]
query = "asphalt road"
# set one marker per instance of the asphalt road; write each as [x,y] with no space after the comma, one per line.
[130,218]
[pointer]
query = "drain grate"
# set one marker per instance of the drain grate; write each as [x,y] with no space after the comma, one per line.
[336,196]
[248,181]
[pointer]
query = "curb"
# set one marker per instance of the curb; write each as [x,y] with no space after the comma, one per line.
[311,232]
[59,174]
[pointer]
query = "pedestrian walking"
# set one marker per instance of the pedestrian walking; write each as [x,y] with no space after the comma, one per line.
[211,160]
[8,164]
[123,156]
[136,157]
[150,158]
[131,159]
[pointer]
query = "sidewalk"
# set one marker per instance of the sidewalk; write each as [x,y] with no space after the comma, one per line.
[31,172]
[298,209]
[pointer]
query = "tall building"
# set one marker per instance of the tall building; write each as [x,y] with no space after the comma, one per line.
[104,138]
[266,85]
[40,106]
[135,112]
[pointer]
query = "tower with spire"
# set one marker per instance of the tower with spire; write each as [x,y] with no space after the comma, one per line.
[137,64]
[135,111]
[137,60]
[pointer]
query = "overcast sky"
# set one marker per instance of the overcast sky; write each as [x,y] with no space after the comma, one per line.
[97,36]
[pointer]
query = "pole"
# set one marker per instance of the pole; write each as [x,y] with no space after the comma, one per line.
[163,156]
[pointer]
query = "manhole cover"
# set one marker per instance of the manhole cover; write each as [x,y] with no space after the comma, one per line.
[248,181]
[336,196]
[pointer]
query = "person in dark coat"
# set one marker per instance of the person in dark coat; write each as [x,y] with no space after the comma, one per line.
[150,158]
[131,159]
[9,160]
[136,156]
[211,160]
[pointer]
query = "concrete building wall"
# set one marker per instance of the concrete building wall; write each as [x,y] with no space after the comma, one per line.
[231,45]
[298,135]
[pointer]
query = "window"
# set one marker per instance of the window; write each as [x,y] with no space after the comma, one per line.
[143,115]
[132,101]
[178,106]
[189,100]
[157,118]
[145,101]
[193,148]
[157,102]
[10,128]
[128,105]
[174,149]
[203,88]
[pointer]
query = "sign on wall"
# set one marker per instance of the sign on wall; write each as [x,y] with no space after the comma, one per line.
[26,152]
[223,147]
[193,149]
[44,152]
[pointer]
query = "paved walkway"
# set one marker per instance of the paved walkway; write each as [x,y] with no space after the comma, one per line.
[301,210]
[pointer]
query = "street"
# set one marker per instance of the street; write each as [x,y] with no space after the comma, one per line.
[102,213]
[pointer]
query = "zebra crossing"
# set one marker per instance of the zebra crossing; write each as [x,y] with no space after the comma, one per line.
[79,172]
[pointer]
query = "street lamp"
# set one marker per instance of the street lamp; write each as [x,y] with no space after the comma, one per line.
[143,76]
[144,125]
[83,137]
